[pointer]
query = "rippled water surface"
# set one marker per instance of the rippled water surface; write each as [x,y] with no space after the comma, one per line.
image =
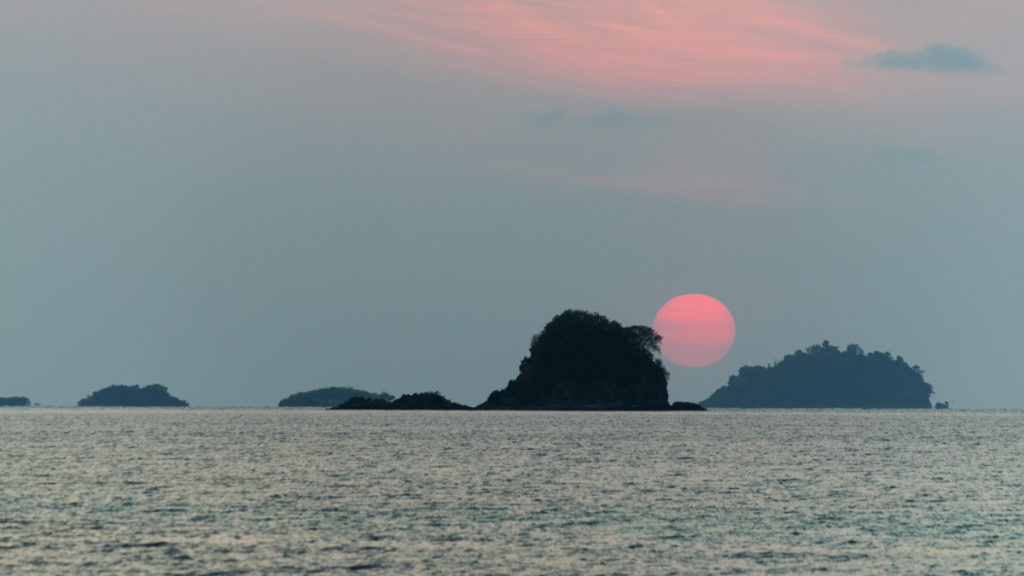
[137,491]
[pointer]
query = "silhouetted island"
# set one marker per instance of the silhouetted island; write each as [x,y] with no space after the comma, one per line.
[417,401]
[823,376]
[119,395]
[15,401]
[584,361]
[329,397]
[579,361]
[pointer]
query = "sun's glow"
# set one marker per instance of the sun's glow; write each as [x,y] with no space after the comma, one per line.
[696,330]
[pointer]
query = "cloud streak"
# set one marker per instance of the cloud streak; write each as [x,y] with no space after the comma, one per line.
[942,58]
[604,44]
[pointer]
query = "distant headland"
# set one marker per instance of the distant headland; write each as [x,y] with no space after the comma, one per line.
[329,397]
[823,376]
[15,401]
[579,361]
[154,395]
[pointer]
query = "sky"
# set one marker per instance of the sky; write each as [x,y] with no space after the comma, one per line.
[243,200]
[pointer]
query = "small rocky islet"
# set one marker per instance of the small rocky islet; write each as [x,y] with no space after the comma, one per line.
[416,401]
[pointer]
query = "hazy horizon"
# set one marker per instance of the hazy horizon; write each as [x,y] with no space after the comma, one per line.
[244,200]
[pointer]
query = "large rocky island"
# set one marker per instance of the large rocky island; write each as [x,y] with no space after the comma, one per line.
[823,376]
[584,361]
[153,395]
[333,396]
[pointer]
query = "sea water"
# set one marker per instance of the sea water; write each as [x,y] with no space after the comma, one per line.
[195,491]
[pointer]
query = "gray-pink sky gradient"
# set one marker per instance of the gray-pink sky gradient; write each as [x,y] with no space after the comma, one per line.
[243,200]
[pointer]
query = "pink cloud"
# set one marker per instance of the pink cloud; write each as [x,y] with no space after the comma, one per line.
[637,46]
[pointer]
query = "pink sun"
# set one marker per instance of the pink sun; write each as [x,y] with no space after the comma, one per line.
[696,330]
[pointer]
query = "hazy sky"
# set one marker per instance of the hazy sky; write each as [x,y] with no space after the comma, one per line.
[245,199]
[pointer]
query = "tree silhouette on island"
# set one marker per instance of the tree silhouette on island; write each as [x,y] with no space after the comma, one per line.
[15,401]
[822,376]
[332,396]
[154,395]
[579,361]
[417,401]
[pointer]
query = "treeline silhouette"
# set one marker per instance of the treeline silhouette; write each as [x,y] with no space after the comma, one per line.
[823,376]
[332,396]
[416,401]
[15,401]
[121,395]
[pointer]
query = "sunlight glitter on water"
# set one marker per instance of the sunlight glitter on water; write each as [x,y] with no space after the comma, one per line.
[96,491]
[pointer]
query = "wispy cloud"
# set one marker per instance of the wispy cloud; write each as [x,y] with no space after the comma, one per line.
[935,58]
[649,44]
